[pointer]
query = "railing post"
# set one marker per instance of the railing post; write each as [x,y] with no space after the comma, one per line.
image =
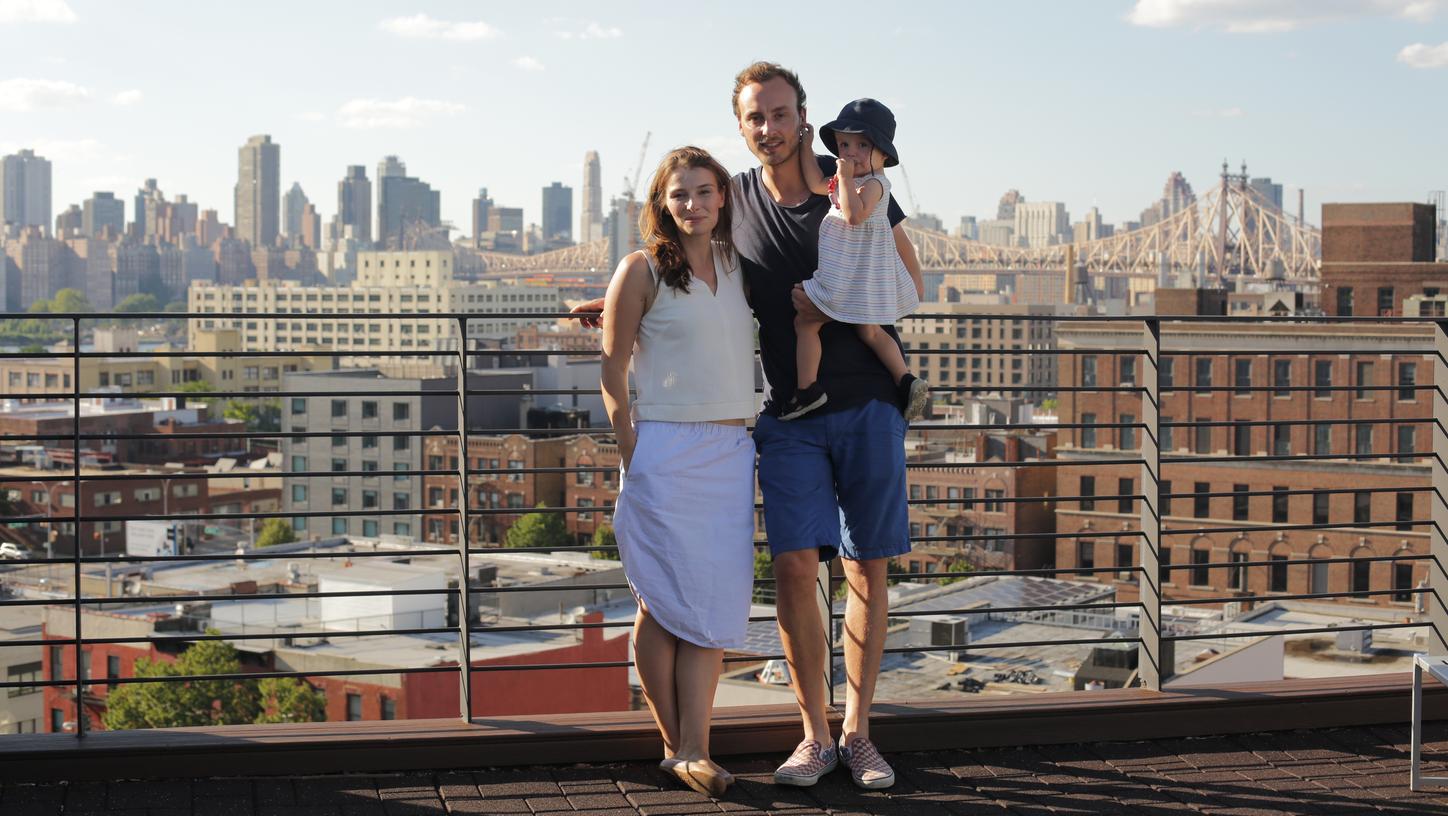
[824,601]
[465,643]
[1438,564]
[77,647]
[1155,665]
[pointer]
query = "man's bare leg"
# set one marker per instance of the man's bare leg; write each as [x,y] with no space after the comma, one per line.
[866,611]
[801,630]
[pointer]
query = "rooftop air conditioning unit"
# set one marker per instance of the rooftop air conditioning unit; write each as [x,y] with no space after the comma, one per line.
[1358,641]
[940,630]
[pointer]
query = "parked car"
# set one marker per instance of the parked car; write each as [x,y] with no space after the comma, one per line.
[10,550]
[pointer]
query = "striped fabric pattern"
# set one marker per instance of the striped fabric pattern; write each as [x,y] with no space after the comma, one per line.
[861,278]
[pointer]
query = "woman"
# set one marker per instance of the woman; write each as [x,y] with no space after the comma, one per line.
[685,512]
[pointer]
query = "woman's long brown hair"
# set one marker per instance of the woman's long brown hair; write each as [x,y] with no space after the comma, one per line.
[656,224]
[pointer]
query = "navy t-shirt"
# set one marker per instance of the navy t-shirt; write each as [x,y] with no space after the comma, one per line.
[779,247]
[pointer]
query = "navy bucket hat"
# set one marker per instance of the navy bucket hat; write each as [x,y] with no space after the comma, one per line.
[869,117]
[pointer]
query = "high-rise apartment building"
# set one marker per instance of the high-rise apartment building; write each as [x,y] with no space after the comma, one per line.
[391,166]
[622,229]
[403,204]
[354,204]
[67,224]
[258,191]
[293,204]
[1269,193]
[557,212]
[1042,223]
[482,209]
[590,220]
[25,190]
[40,268]
[100,211]
[148,197]
[1006,209]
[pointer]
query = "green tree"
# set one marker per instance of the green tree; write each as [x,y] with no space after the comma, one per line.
[41,306]
[604,537]
[275,531]
[230,701]
[958,568]
[139,302]
[287,699]
[32,348]
[262,415]
[1048,404]
[763,571]
[70,301]
[544,530]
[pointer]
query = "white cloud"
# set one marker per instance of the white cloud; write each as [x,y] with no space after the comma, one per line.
[572,29]
[1419,55]
[22,95]
[421,26]
[311,116]
[1220,113]
[407,112]
[528,64]
[60,150]
[127,97]
[36,11]
[1267,16]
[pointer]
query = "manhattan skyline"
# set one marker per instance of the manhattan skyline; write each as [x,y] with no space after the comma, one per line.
[1090,104]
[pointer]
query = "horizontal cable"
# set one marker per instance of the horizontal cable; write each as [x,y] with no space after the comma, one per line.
[259,554]
[203,636]
[1267,528]
[1305,596]
[1232,423]
[1322,491]
[1290,562]
[1207,389]
[1320,630]
[1023,499]
[1287,457]
[196,678]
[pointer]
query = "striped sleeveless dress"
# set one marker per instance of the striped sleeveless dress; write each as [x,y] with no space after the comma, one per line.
[861,278]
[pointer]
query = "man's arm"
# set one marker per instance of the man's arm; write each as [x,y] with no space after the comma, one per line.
[814,178]
[909,258]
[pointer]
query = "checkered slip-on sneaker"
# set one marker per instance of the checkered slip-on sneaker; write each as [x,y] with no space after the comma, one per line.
[810,761]
[867,767]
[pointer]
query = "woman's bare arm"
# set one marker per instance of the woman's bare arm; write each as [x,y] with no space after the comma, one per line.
[623,310]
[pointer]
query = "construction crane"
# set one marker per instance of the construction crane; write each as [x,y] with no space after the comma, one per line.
[631,185]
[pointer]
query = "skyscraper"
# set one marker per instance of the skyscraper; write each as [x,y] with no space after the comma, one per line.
[557,213]
[403,203]
[148,198]
[1269,193]
[67,224]
[258,191]
[390,166]
[102,210]
[25,190]
[354,204]
[590,219]
[293,204]
[482,206]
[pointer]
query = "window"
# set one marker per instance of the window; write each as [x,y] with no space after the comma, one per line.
[369,499]
[23,673]
[1242,377]
[354,706]
[1281,378]
[1086,554]
[57,720]
[339,526]
[369,442]
[1204,436]
[339,442]
[339,409]
[1277,573]
[299,494]
[401,501]
[401,443]
[993,503]
[1203,373]
[1362,507]
[1201,505]
[1125,562]
[1166,372]
[1362,436]
[1322,379]
[1361,575]
[1088,371]
[339,465]
[1163,559]
[1407,379]
[1128,432]
[1404,512]
[1344,301]
[1322,440]
[1279,504]
[113,669]
[1241,502]
[399,471]
[389,708]
[1364,379]
[299,406]
[1201,573]
[1088,488]
[1406,434]
[1167,434]
[299,464]
[1320,508]
[1125,498]
[1088,432]
[339,496]
[1241,439]
[401,412]
[1128,370]
[369,528]
[1402,583]
[1164,497]
[1387,304]
[1281,440]
[369,409]
[1237,575]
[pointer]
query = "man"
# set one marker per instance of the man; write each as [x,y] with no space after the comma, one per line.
[833,480]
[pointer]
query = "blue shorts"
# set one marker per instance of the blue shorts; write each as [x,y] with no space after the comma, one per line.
[835,482]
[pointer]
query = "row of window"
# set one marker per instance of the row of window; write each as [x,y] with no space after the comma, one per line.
[299,465]
[1364,383]
[1241,500]
[33,379]
[1387,302]
[370,409]
[992,497]
[370,528]
[1360,434]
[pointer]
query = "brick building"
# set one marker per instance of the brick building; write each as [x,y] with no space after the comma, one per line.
[1376,256]
[991,326]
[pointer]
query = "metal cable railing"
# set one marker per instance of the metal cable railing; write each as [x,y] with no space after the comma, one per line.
[986,532]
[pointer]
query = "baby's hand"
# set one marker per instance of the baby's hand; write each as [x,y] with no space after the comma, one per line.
[845,168]
[806,134]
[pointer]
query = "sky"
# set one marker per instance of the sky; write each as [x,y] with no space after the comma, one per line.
[1090,102]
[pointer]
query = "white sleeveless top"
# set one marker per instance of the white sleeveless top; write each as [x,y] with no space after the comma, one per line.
[694,358]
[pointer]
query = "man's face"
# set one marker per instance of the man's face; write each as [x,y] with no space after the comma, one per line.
[770,120]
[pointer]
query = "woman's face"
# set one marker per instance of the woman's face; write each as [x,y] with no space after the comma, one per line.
[694,198]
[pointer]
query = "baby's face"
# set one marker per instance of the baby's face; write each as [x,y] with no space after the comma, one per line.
[859,151]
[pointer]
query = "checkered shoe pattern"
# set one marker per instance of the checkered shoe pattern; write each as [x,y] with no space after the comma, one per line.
[810,761]
[867,767]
